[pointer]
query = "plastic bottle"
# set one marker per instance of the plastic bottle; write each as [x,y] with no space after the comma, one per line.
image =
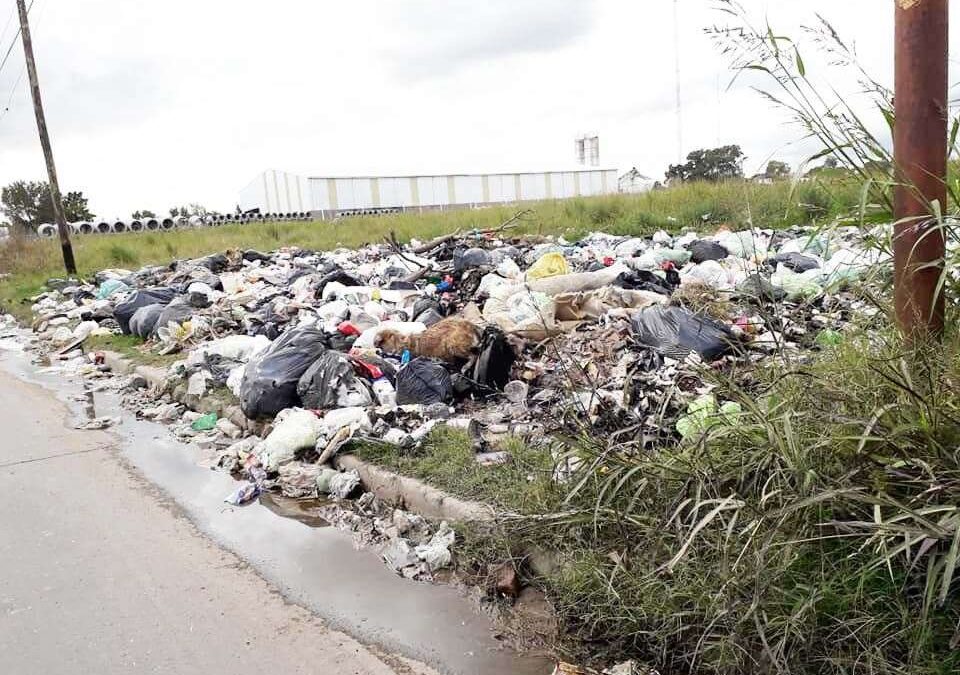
[386,394]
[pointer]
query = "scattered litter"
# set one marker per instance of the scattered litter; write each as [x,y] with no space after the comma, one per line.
[96,424]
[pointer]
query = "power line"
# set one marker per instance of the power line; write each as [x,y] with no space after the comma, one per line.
[13,42]
[3,33]
[23,67]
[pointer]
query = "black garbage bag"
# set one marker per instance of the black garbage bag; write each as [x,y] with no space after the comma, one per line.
[331,382]
[797,262]
[644,280]
[759,289]
[198,300]
[495,360]
[424,304]
[177,311]
[270,379]
[704,249]
[471,258]
[219,368]
[429,317]
[144,320]
[216,263]
[423,381]
[254,256]
[340,277]
[341,343]
[675,332]
[125,310]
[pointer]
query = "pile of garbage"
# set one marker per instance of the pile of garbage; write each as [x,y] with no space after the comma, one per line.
[496,335]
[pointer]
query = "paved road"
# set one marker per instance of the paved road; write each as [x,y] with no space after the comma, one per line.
[100,574]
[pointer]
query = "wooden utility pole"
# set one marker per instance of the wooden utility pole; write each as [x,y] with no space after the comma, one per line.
[58,216]
[921,107]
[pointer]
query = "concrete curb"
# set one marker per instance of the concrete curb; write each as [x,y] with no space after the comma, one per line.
[403,491]
[155,377]
[414,495]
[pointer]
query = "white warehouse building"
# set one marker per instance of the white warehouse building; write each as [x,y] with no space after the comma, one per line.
[328,197]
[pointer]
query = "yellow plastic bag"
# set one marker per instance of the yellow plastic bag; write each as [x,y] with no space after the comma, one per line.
[549,265]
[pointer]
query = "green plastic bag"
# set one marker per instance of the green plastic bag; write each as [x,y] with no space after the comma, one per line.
[829,338]
[205,423]
[703,414]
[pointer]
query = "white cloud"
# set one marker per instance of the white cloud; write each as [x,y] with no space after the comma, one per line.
[155,104]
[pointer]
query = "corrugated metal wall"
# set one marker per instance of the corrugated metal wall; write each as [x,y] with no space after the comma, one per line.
[277,192]
[280,192]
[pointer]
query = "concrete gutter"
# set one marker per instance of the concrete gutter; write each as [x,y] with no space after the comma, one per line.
[398,490]
[414,495]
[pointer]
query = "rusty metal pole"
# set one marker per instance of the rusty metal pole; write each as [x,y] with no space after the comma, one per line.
[920,156]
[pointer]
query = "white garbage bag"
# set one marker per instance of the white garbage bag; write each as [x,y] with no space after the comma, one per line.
[295,429]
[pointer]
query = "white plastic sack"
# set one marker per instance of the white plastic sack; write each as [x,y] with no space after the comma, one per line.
[235,380]
[745,244]
[805,286]
[295,429]
[517,310]
[436,552]
[84,330]
[367,337]
[234,347]
[509,269]
[630,248]
[342,484]
[491,282]
[847,265]
[338,418]
[711,273]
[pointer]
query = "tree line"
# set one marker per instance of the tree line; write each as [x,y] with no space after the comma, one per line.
[26,205]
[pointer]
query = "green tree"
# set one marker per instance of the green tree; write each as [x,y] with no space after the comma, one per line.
[777,170]
[710,165]
[28,204]
[190,210]
[145,213]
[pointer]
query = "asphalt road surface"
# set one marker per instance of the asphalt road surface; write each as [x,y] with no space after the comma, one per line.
[100,573]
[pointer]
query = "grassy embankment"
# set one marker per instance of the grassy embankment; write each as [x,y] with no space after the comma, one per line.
[736,203]
[820,534]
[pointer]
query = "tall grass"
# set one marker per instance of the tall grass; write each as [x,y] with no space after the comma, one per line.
[820,534]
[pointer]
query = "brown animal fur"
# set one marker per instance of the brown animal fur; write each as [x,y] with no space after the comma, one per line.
[450,340]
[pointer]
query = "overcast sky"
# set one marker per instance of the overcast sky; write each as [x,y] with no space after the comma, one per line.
[152,104]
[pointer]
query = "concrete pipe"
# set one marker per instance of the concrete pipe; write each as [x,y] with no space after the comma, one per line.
[136,226]
[196,221]
[209,221]
[167,224]
[119,226]
[181,222]
[83,227]
[47,231]
[103,227]
[152,224]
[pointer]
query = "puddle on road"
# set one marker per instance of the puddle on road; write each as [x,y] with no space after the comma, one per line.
[312,564]
[301,510]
